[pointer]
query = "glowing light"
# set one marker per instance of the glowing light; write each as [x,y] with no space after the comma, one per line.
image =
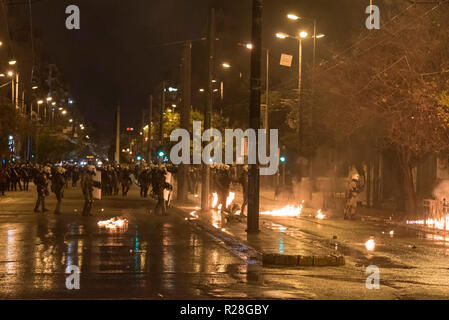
[230,199]
[303,34]
[370,245]
[214,200]
[293,16]
[287,211]
[281,35]
[114,224]
[320,215]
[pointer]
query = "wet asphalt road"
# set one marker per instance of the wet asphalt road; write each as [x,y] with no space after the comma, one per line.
[164,258]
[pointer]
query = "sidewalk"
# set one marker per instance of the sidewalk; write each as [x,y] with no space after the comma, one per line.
[273,245]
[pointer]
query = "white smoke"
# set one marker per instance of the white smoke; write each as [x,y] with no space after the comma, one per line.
[442,190]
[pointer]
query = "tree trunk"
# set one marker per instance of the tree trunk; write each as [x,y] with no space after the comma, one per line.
[406,183]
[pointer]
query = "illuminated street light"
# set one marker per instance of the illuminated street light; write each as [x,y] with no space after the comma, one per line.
[12,62]
[64,112]
[293,17]
[70,120]
[201,90]
[303,34]
[1,43]
[281,35]
[319,36]
[226,65]
[35,87]
[10,73]
[53,103]
[49,98]
[249,46]
[2,75]
[40,102]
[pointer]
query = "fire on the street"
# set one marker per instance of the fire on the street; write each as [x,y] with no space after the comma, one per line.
[229,200]
[287,211]
[320,215]
[440,224]
[370,245]
[115,223]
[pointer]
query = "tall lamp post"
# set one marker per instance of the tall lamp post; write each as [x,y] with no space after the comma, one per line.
[301,36]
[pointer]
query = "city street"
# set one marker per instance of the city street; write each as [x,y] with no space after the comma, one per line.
[166,258]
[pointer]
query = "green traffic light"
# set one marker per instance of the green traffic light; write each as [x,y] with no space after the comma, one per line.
[161,154]
[282,159]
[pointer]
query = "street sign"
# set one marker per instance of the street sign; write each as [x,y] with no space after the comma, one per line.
[286,60]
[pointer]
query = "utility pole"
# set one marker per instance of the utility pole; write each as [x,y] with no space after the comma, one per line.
[150,120]
[161,115]
[254,114]
[205,174]
[267,91]
[117,135]
[185,115]
[300,124]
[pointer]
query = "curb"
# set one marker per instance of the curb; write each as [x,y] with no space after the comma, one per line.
[275,259]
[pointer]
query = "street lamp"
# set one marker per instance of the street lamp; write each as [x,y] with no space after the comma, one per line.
[226,65]
[303,34]
[12,62]
[282,35]
[35,87]
[293,16]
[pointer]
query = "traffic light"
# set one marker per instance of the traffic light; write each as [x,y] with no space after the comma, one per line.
[161,154]
[282,159]
[138,158]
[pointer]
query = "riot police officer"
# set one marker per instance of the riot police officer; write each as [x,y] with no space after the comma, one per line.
[41,182]
[87,185]
[58,182]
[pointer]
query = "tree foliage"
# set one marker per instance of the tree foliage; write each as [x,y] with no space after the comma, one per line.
[390,86]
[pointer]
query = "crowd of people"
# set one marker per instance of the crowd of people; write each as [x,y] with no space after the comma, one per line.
[154,180]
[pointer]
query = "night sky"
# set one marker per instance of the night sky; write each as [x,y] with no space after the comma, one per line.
[110,59]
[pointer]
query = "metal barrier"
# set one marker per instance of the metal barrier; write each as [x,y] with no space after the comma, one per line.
[436,213]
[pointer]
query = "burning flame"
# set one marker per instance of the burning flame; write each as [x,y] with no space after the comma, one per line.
[214,200]
[440,224]
[288,211]
[229,199]
[113,223]
[370,244]
[320,215]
